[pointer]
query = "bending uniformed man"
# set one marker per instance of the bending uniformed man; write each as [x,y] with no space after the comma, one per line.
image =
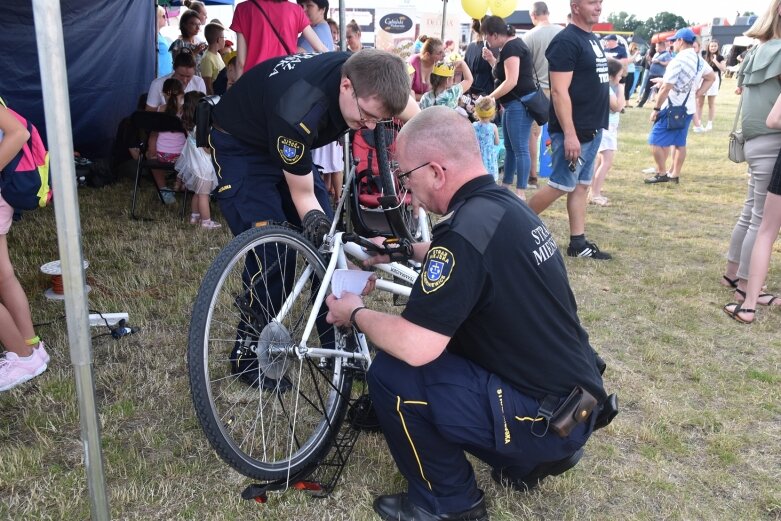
[264,130]
[461,369]
[266,126]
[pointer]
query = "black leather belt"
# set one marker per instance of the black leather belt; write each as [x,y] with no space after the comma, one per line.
[215,126]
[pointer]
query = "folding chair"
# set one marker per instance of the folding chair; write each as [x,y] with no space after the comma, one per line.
[146,123]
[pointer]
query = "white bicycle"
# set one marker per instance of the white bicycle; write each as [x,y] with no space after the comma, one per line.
[271,381]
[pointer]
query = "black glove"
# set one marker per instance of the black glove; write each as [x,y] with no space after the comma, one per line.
[315,225]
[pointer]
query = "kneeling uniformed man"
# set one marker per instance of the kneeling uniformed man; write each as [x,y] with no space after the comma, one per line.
[488,356]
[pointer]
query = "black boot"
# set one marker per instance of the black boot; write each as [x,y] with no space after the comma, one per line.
[397,507]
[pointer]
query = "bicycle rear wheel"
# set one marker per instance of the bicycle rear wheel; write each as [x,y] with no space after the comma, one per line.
[266,412]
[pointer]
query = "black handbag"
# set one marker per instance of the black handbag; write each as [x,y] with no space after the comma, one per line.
[537,103]
[676,114]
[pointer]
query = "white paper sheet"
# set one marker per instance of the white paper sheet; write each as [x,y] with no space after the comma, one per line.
[349,280]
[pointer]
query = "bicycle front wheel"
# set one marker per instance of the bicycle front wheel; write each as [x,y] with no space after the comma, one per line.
[266,411]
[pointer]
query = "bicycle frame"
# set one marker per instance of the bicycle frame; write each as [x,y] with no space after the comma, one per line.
[338,260]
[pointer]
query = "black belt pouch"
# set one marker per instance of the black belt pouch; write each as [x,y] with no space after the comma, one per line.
[574,410]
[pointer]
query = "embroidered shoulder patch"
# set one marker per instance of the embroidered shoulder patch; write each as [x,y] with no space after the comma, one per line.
[439,265]
[290,150]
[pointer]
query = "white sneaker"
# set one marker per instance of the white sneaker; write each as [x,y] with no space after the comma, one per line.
[15,370]
[709,126]
[210,225]
[699,129]
[40,351]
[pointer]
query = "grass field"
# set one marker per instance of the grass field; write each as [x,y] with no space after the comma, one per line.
[698,437]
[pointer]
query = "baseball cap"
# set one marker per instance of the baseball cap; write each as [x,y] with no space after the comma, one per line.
[612,37]
[685,34]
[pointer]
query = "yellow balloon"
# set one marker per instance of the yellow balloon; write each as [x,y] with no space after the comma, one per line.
[503,8]
[475,8]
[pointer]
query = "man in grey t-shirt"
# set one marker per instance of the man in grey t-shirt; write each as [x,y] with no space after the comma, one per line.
[537,40]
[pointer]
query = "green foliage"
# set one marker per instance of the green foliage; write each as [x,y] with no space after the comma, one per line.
[624,21]
[664,21]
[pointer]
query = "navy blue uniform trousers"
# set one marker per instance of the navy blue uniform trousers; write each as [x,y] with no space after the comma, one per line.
[252,186]
[431,414]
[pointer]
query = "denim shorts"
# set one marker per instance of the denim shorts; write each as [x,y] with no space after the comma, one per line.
[561,178]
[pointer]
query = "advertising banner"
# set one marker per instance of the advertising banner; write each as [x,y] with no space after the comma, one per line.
[395,28]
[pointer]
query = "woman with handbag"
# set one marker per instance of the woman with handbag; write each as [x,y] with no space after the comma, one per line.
[766,236]
[513,79]
[270,28]
[758,78]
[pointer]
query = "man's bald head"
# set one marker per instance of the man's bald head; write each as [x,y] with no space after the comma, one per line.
[445,143]
[441,134]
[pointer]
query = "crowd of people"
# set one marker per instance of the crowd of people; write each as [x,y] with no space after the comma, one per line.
[274,155]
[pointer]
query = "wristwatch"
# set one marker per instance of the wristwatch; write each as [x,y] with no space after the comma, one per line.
[657,109]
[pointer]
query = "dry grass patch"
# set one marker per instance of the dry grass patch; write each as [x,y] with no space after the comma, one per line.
[697,438]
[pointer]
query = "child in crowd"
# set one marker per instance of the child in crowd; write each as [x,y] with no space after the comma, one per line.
[188,41]
[442,91]
[212,63]
[195,167]
[167,146]
[25,356]
[609,144]
[487,134]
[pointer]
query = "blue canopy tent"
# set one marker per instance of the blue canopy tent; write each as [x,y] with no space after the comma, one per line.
[110,56]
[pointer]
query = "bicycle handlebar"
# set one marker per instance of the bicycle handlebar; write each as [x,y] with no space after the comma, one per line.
[398,250]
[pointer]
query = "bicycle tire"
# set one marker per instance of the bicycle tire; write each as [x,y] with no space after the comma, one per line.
[387,179]
[399,215]
[285,420]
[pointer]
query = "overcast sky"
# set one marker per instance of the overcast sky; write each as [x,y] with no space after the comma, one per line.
[697,11]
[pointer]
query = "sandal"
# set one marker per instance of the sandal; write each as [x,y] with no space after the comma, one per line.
[732,283]
[600,200]
[773,298]
[735,313]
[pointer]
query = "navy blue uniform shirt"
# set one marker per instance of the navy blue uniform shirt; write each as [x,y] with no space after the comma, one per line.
[495,282]
[286,107]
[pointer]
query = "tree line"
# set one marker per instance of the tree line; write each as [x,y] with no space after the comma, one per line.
[663,21]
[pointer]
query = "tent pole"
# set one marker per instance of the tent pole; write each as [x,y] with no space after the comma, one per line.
[54,83]
[444,20]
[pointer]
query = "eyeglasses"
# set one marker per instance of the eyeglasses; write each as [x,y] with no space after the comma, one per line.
[365,119]
[402,177]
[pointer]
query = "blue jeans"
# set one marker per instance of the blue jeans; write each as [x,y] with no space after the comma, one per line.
[516,127]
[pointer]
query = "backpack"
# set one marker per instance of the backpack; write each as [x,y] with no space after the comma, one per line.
[25,182]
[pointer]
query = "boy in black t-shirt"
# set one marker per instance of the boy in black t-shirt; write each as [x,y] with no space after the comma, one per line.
[579,111]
